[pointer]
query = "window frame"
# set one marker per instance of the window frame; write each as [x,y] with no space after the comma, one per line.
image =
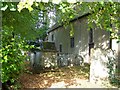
[60,48]
[52,37]
[72,42]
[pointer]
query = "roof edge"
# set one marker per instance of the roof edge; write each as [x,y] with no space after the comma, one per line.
[76,18]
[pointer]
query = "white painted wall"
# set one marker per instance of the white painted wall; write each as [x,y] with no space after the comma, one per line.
[81,37]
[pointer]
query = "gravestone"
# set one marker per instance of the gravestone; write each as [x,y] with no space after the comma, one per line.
[69,59]
[32,57]
[103,66]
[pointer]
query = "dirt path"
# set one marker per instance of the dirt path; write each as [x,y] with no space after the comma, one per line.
[67,77]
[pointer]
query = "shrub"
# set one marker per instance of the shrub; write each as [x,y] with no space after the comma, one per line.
[12,57]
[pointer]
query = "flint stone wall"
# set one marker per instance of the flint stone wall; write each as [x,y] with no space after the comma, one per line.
[45,59]
[67,59]
[103,65]
[49,59]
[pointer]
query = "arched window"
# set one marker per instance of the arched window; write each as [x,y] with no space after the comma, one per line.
[52,37]
[72,42]
[91,41]
[60,48]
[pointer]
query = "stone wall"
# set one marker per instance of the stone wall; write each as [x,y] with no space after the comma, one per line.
[67,59]
[103,65]
[43,59]
[49,59]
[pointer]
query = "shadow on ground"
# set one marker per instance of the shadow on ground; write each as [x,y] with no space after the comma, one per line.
[48,77]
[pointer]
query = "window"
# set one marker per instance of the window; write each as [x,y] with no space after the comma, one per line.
[91,36]
[91,43]
[72,42]
[52,37]
[60,48]
[110,41]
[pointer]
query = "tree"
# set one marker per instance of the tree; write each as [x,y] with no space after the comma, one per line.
[17,28]
[103,14]
[19,25]
[106,15]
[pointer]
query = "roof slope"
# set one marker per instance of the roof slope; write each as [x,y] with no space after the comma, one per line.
[82,14]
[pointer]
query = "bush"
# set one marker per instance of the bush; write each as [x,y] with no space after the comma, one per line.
[12,57]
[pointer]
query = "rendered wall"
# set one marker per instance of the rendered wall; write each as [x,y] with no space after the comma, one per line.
[101,56]
[81,38]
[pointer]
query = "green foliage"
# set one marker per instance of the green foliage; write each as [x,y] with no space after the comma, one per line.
[106,16]
[10,6]
[21,23]
[17,20]
[71,31]
[113,71]
[65,12]
[17,28]
[12,58]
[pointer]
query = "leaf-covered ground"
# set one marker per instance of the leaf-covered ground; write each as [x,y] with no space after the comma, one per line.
[64,77]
